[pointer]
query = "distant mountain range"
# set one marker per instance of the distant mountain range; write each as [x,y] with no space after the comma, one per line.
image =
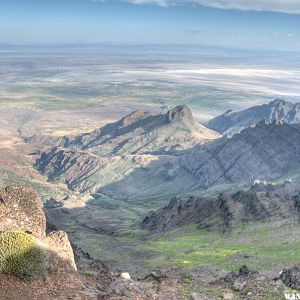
[231,122]
[145,155]
[139,152]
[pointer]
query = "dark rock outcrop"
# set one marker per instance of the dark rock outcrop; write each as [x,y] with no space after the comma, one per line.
[180,112]
[222,211]
[291,277]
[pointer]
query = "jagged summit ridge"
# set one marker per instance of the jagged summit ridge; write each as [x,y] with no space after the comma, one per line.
[141,132]
[221,211]
[175,114]
[134,117]
[231,122]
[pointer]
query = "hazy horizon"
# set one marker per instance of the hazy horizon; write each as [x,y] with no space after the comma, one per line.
[263,25]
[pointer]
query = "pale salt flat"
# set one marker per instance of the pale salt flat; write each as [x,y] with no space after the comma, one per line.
[273,82]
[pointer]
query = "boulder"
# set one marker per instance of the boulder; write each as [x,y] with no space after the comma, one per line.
[23,223]
[61,258]
[21,209]
[291,277]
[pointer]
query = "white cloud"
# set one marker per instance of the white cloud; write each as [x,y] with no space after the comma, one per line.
[203,31]
[280,34]
[283,6]
[163,3]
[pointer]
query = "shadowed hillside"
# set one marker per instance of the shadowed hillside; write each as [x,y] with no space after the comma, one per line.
[140,147]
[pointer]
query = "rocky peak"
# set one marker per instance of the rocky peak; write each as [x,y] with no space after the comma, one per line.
[228,112]
[134,117]
[178,113]
[174,203]
[233,122]
[279,102]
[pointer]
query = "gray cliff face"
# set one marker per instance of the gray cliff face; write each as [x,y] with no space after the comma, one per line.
[232,122]
[262,152]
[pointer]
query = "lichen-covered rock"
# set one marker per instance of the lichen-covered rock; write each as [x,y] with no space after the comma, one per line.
[25,250]
[21,254]
[21,209]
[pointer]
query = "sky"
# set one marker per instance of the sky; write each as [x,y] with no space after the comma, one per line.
[249,24]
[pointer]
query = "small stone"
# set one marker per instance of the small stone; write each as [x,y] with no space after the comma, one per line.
[197,296]
[228,296]
[238,285]
[125,275]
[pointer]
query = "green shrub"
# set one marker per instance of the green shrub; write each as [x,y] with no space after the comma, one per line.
[88,273]
[21,255]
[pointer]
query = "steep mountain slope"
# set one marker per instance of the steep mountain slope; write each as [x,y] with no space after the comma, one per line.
[138,152]
[264,151]
[141,132]
[231,122]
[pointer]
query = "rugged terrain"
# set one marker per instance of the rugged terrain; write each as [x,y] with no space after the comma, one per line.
[139,152]
[22,214]
[92,279]
[222,212]
[120,188]
[22,218]
[265,151]
[99,182]
[234,121]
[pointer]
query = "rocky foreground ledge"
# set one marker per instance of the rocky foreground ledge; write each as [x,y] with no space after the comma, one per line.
[34,265]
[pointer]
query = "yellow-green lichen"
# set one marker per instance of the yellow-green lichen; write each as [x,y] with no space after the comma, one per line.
[21,255]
